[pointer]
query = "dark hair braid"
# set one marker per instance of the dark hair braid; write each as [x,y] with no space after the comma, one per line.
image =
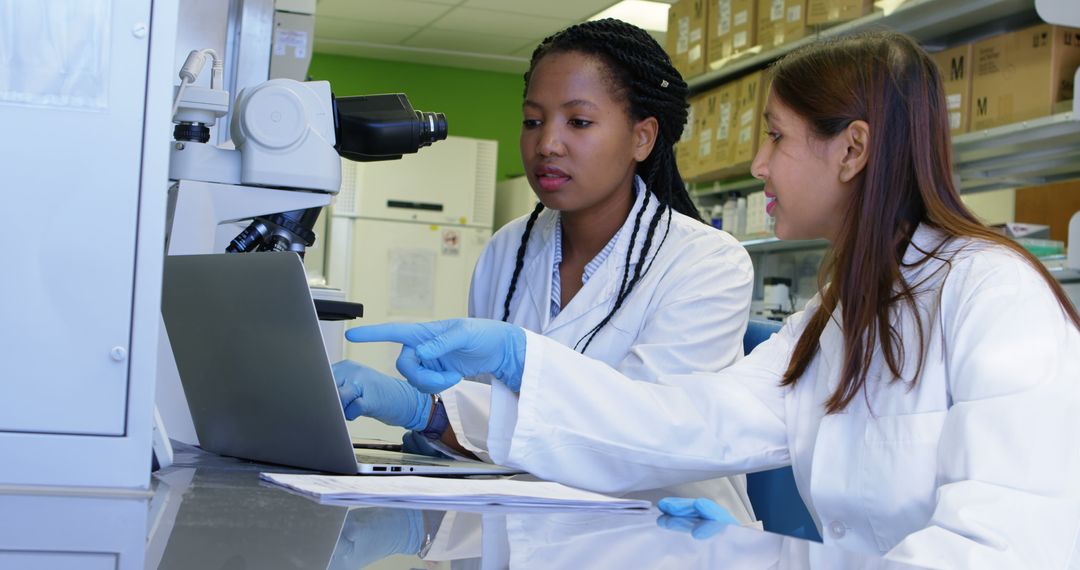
[642,74]
[520,258]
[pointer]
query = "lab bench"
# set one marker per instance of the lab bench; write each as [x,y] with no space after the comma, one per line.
[207,511]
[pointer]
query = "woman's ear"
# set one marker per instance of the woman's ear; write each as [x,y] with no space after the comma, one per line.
[856,138]
[644,137]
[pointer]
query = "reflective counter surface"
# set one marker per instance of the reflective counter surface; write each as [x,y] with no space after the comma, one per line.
[211,512]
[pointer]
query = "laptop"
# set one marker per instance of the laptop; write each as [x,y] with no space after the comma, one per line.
[247,344]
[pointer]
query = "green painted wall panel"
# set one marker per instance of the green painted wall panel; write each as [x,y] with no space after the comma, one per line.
[478,104]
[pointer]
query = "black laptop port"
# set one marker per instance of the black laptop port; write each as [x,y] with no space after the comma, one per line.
[395,468]
[378,468]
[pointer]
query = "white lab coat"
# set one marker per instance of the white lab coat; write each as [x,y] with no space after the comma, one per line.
[976,466]
[689,312]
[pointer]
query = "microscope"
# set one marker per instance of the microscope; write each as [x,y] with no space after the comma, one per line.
[282,167]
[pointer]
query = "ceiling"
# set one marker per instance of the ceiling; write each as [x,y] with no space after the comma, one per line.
[493,35]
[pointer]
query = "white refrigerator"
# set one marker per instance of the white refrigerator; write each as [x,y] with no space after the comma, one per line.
[405,236]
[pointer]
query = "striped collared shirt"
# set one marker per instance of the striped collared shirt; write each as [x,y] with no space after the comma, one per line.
[590,268]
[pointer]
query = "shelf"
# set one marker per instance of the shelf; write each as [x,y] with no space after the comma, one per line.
[924,20]
[714,190]
[1029,153]
[773,244]
[1039,151]
[1056,267]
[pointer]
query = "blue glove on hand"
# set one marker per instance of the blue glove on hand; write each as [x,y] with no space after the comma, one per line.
[436,355]
[366,392]
[370,534]
[702,518]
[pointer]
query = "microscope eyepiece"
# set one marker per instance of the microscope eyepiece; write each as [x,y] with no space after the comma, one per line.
[433,127]
[383,127]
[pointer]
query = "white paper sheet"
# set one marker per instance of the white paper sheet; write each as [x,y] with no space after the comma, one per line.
[448,492]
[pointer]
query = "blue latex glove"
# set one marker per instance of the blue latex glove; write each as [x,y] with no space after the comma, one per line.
[373,533]
[415,442]
[702,518]
[367,392]
[436,355]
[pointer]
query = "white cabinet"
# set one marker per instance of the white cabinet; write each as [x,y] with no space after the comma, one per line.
[84,179]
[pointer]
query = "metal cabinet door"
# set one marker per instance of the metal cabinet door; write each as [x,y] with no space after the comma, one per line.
[72,100]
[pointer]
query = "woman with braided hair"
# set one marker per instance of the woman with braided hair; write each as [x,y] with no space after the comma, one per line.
[613,262]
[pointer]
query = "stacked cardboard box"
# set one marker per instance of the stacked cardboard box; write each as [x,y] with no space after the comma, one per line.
[1023,75]
[715,134]
[780,22]
[834,11]
[955,66]
[732,29]
[685,152]
[749,105]
[686,36]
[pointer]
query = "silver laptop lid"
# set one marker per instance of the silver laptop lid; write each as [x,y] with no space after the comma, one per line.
[247,343]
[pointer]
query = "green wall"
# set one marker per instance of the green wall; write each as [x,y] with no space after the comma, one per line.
[478,104]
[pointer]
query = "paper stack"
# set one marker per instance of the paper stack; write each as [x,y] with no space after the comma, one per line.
[447,492]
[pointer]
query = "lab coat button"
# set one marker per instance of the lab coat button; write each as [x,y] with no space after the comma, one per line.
[837,529]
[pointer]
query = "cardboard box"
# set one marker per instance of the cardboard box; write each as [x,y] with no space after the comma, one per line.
[732,29]
[833,11]
[749,105]
[1022,75]
[955,66]
[686,147]
[686,36]
[715,131]
[780,22]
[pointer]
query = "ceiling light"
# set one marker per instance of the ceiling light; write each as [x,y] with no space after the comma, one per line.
[651,16]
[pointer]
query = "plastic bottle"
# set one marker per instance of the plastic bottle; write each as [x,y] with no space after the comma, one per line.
[730,218]
[716,216]
[740,217]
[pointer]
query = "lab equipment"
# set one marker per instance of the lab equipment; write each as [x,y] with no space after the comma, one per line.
[777,296]
[282,166]
[367,392]
[436,355]
[287,134]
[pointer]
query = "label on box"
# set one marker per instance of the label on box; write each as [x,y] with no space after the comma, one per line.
[741,17]
[778,38]
[695,54]
[723,25]
[725,121]
[794,13]
[776,10]
[953,101]
[739,40]
[687,133]
[705,142]
[683,42]
[695,35]
[954,120]
[744,135]
[746,117]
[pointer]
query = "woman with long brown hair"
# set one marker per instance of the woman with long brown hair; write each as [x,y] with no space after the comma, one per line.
[928,399]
